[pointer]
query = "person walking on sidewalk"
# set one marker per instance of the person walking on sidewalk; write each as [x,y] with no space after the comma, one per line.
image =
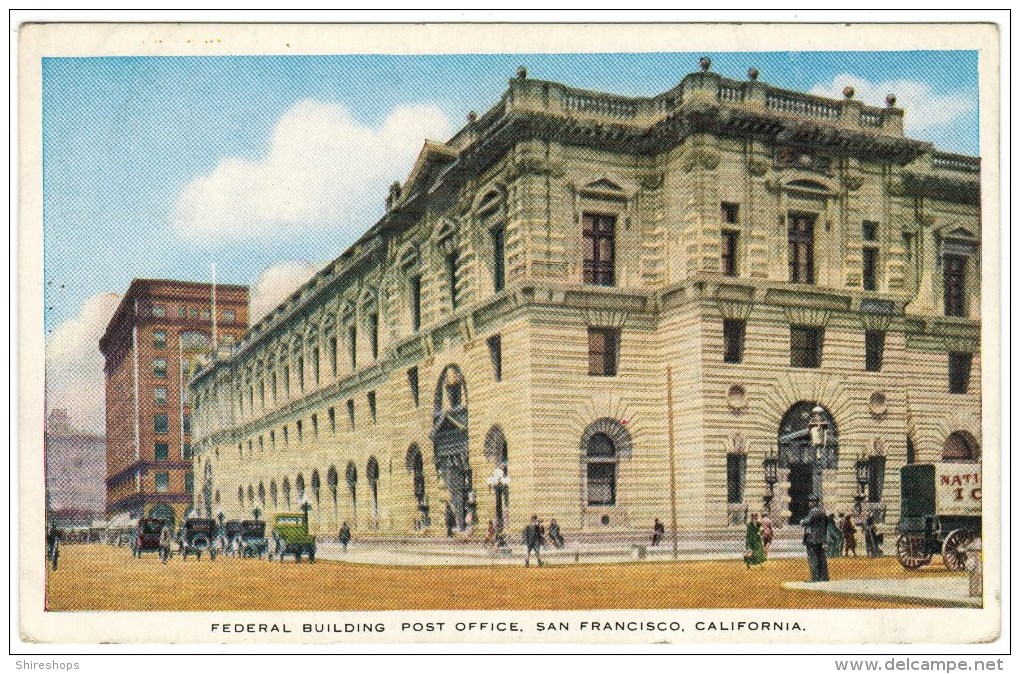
[165,538]
[344,537]
[767,532]
[533,540]
[555,537]
[658,531]
[815,528]
[754,549]
[849,536]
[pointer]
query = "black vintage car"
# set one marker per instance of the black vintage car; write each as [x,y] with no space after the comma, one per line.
[197,537]
[253,539]
[147,536]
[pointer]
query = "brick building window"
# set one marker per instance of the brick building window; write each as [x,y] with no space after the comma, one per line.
[189,482]
[806,346]
[603,351]
[187,424]
[162,482]
[186,452]
[733,340]
[601,459]
[874,348]
[161,423]
[159,367]
[159,396]
[228,316]
[158,310]
[599,239]
[801,240]
[159,339]
[161,451]
[959,372]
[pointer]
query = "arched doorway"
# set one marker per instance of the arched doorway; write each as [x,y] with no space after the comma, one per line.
[416,465]
[798,455]
[450,444]
[961,447]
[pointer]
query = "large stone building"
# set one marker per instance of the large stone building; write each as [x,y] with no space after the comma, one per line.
[150,346]
[499,343]
[75,468]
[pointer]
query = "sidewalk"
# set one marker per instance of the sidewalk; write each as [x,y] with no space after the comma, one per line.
[944,592]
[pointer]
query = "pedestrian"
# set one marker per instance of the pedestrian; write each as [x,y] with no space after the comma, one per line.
[554,534]
[767,532]
[849,536]
[53,546]
[451,521]
[344,537]
[490,535]
[533,540]
[164,544]
[833,536]
[815,528]
[871,536]
[754,548]
[658,531]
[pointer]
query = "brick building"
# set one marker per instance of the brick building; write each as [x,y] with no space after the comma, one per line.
[150,346]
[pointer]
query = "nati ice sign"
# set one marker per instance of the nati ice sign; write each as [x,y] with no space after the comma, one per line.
[958,488]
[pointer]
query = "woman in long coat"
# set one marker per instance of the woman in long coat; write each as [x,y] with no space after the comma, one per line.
[754,549]
[833,538]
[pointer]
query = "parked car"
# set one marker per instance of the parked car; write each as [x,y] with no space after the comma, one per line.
[253,539]
[290,533]
[197,537]
[146,537]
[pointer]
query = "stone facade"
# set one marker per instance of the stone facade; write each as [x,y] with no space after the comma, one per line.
[519,308]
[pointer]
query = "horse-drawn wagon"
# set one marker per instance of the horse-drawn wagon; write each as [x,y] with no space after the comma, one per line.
[940,512]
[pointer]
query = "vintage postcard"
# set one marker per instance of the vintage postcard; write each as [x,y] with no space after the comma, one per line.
[613,334]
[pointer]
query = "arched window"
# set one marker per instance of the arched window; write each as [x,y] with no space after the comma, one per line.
[272,493]
[416,465]
[240,496]
[299,487]
[961,446]
[286,492]
[600,455]
[372,472]
[251,496]
[352,484]
[332,480]
[262,494]
[315,487]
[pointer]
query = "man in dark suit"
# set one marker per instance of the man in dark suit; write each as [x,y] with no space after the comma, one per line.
[533,540]
[814,540]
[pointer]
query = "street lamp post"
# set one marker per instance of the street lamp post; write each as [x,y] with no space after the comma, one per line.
[819,432]
[305,507]
[771,466]
[863,470]
[499,482]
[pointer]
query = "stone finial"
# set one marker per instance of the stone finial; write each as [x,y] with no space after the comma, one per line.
[472,116]
[752,74]
[522,73]
[848,93]
[890,100]
[705,63]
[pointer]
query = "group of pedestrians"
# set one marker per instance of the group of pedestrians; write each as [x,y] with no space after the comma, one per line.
[834,536]
[757,539]
[536,537]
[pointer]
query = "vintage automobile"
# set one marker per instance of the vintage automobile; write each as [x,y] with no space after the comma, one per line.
[232,537]
[290,533]
[940,511]
[253,541]
[147,535]
[197,536]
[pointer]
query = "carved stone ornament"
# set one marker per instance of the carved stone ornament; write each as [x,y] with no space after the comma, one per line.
[877,404]
[853,182]
[736,398]
[757,167]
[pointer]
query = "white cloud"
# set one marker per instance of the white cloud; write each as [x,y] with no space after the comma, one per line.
[323,170]
[74,365]
[274,285]
[927,112]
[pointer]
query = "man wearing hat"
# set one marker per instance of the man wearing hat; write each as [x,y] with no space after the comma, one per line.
[814,540]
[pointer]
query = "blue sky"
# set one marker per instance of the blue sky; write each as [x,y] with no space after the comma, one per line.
[144,158]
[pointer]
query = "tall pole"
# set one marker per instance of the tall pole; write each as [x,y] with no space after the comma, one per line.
[672,454]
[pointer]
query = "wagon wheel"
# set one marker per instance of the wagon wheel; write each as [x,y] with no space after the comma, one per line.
[954,550]
[910,551]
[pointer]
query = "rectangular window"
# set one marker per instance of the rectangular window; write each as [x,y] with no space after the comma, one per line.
[415,283]
[496,354]
[159,367]
[286,381]
[162,482]
[371,405]
[186,452]
[161,451]
[733,341]
[206,314]
[599,239]
[869,266]
[161,423]
[332,355]
[498,258]
[159,395]
[412,382]
[300,431]
[730,213]
[451,278]
[189,482]
[315,365]
[158,310]
[350,413]
[332,420]
[352,346]
[228,316]
[959,372]
[315,425]
[603,347]
[187,424]
[159,339]
[602,484]
[874,347]
[182,312]
[373,335]
[272,384]
[869,231]
[729,252]
[193,313]
[954,279]
[286,436]
[736,477]
[801,239]
[806,346]
[301,373]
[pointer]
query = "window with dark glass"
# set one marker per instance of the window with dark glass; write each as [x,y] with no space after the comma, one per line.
[911,452]
[187,424]
[415,284]
[206,313]
[315,364]
[498,258]
[874,347]
[186,452]
[352,346]
[801,238]
[729,252]
[189,482]
[159,367]
[603,347]
[350,413]
[496,355]
[869,265]
[601,459]
[300,431]
[161,423]
[806,346]
[272,384]
[959,372]
[286,436]
[332,419]
[876,478]
[161,451]
[954,270]
[371,406]
[159,339]
[599,234]
[158,310]
[869,231]
[736,477]
[182,312]
[228,316]
[286,381]
[733,340]
[332,355]
[373,334]
[730,213]
[451,278]
[159,395]
[301,373]
[412,382]
[162,482]
[315,425]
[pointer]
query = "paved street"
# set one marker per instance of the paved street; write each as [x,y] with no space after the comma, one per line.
[99,577]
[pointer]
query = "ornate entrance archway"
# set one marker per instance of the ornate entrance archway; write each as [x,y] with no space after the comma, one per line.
[801,458]
[450,445]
